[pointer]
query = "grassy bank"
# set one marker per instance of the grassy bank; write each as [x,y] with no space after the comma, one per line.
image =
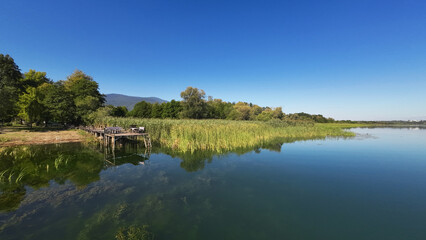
[20,135]
[223,135]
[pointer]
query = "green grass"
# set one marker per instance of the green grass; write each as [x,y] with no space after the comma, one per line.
[223,135]
[4,139]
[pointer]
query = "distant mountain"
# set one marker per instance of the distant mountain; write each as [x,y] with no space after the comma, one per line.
[129,101]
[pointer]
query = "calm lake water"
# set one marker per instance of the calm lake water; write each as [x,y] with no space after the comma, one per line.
[372,186]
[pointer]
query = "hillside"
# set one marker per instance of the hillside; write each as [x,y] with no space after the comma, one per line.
[128,101]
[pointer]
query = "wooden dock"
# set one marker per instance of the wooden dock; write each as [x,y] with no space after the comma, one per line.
[112,134]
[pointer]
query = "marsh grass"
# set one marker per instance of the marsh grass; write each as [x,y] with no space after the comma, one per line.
[223,135]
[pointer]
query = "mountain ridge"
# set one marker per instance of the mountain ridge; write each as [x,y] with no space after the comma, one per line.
[117,99]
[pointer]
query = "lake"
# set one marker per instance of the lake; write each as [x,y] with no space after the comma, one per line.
[372,186]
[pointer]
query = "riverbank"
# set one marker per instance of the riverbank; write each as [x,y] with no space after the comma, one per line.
[14,136]
[188,135]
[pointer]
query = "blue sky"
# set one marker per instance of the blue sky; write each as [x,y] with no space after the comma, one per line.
[360,60]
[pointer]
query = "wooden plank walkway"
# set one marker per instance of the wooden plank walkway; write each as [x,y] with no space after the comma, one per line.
[111,135]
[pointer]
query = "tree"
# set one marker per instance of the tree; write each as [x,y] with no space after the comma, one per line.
[269,114]
[30,107]
[157,110]
[10,73]
[85,93]
[193,103]
[10,87]
[255,110]
[173,109]
[59,102]
[30,104]
[32,78]
[120,111]
[278,113]
[8,99]
[101,113]
[266,115]
[141,109]
[241,111]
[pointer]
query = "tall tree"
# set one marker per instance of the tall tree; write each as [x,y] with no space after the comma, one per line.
[59,102]
[171,109]
[193,103]
[10,87]
[8,99]
[30,107]
[10,73]
[32,78]
[30,104]
[218,109]
[141,109]
[85,93]
[157,110]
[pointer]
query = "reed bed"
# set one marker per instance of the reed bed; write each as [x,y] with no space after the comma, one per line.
[222,135]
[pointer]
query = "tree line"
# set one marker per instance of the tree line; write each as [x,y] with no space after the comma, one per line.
[194,105]
[34,98]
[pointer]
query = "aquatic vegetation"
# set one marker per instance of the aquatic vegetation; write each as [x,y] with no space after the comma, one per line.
[36,166]
[134,233]
[223,135]
[121,211]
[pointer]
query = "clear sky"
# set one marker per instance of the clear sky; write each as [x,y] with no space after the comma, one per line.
[360,60]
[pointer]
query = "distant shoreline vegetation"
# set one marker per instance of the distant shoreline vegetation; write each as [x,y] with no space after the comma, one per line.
[195,106]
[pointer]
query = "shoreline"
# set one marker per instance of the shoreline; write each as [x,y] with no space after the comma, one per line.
[20,135]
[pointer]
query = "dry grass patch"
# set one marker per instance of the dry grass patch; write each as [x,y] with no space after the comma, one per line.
[13,138]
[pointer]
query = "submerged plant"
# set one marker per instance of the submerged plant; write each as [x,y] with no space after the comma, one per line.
[134,233]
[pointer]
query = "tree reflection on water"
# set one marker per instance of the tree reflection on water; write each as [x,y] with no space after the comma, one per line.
[36,166]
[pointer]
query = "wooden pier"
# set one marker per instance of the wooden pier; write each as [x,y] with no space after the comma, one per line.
[110,135]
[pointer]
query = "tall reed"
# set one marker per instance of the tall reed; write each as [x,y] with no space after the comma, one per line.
[221,135]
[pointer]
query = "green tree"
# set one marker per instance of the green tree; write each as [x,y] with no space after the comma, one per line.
[10,73]
[30,107]
[8,99]
[30,100]
[171,109]
[120,111]
[278,113]
[269,114]
[85,93]
[255,110]
[10,86]
[218,109]
[141,109]
[241,111]
[193,103]
[157,110]
[59,102]
[32,78]
[106,111]
[266,115]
